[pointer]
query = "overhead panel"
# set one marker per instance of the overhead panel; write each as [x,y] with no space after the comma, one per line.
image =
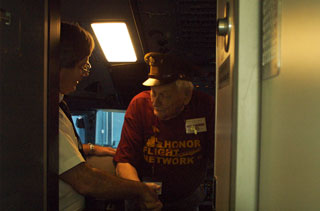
[196,26]
[186,27]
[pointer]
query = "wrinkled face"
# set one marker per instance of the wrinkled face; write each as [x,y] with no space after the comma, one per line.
[70,77]
[167,101]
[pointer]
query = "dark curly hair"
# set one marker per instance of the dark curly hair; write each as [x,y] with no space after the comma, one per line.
[75,44]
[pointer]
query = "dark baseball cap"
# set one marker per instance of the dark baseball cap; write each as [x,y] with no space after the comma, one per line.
[166,68]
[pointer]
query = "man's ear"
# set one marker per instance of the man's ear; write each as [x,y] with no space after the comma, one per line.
[188,96]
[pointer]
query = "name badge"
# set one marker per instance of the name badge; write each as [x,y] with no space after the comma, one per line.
[196,125]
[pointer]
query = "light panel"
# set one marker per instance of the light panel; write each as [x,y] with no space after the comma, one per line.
[115,41]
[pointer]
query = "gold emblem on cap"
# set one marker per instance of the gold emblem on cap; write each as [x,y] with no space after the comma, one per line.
[151,61]
[154,60]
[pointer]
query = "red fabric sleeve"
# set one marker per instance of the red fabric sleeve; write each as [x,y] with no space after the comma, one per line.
[131,143]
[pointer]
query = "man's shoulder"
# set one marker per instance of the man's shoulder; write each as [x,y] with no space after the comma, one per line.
[142,96]
[202,96]
[63,119]
[202,102]
[140,101]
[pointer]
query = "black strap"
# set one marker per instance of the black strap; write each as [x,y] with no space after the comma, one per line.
[63,105]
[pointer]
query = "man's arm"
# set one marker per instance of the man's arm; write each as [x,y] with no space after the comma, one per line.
[99,184]
[98,150]
[127,171]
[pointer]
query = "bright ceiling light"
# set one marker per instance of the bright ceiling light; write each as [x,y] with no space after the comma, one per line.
[115,41]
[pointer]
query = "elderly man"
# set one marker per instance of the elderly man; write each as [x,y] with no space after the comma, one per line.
[76,178]
[168,134]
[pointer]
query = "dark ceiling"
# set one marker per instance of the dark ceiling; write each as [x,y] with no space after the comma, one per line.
[184,26]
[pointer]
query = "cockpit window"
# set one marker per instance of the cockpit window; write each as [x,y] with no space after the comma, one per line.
[102,127]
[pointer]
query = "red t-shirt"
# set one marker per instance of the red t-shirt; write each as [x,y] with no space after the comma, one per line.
[169,151]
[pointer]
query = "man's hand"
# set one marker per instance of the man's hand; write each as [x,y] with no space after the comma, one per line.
[149,199]
[154,186]
[104,151]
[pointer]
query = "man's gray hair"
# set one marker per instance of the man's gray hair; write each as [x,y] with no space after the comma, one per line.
[184,86]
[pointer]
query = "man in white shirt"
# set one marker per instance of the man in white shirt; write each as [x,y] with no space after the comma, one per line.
[76,178]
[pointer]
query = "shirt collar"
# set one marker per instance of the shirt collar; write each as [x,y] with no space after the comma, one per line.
[60,97]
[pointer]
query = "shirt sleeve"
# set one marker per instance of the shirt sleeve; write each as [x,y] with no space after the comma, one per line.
[131,143]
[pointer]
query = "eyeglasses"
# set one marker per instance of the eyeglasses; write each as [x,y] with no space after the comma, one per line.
[85,69]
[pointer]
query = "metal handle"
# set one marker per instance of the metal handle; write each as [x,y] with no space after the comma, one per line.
[224,27]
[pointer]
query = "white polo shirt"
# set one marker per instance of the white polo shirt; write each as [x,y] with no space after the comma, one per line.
[69,157]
